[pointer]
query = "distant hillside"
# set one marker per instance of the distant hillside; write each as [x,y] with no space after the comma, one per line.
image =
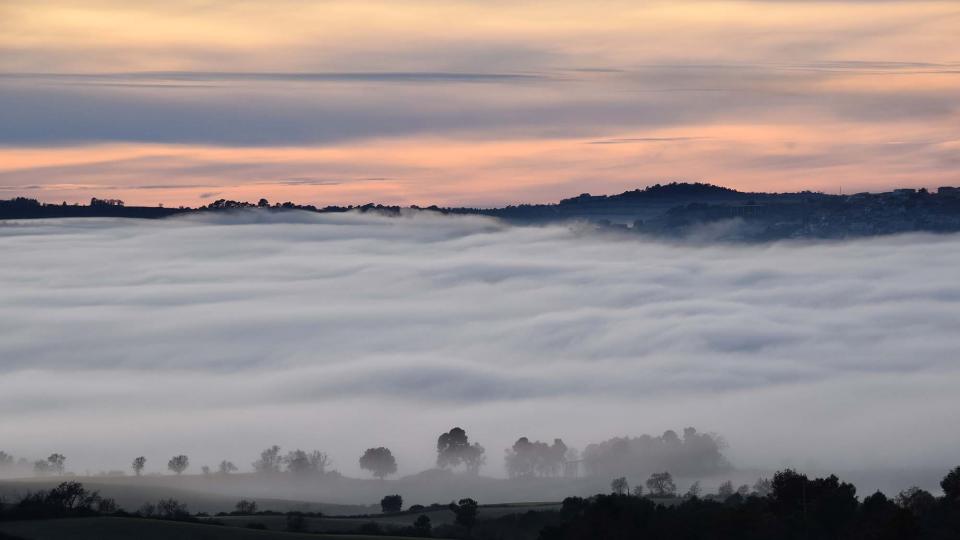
[670,210]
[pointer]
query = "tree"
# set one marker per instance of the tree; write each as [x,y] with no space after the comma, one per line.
[725,490]
[620,486]
[138,464]
[107,505]
[691,455]
[178,464]
[465,511]
[637,491]
[422,526]
[537,458]
[319,461]
[300,462]
[379,461]
[56,462]
[147,510]
[269,461]
[951,485]
[917,501]
[694,491]
[205,469]
[5,459]
[763,487]
[454,449]
[226,467]
[661,485]
[41,467]
[246,507]
[172,509]
[391,503]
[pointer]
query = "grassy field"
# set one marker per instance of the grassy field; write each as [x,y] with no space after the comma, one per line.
[114,528]
[130,493]
[438,516]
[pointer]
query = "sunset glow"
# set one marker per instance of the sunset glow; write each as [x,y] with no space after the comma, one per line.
[472,103]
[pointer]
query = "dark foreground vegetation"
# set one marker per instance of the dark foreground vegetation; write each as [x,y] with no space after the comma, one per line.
[796,508]
[670,210]
[789,506]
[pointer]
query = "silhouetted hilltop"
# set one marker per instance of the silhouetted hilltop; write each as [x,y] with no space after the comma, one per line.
[660,192]
[701,210]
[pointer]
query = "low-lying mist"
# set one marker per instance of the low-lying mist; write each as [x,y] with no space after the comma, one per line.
[218,336]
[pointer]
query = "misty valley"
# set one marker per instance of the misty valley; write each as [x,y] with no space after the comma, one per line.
[375,373]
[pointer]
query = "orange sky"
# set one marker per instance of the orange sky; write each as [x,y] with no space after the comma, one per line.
[466,102]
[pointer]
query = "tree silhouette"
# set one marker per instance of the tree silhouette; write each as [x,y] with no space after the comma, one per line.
[454,448]
[422,526]
[725,490]
[178,464]
[379,461]
[269,461]
[391,503]
[172,509]
[537,458]
[951,485]
[300,462]
[226,467]
[56,462]
[620,486]
[138,465]
[465,511]
[246,507]
[661,485]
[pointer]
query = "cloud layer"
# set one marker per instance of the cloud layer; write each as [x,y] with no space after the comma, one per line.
[216,336]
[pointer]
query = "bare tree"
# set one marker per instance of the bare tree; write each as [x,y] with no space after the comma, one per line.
[661,485]
[226,467]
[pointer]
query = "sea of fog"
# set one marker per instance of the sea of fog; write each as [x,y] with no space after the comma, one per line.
[216,336]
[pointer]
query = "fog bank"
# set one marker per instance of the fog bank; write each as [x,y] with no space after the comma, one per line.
[216,336]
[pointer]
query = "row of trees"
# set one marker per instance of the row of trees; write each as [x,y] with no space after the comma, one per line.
[690,455]
[661,485]
[693,454]
[453,450]
[526,458]
[788,506]
[55,464]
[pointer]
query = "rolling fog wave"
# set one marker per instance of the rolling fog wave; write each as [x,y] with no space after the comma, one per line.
[219,335]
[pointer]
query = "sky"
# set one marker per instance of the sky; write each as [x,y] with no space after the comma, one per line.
[472,102]
[219,335]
